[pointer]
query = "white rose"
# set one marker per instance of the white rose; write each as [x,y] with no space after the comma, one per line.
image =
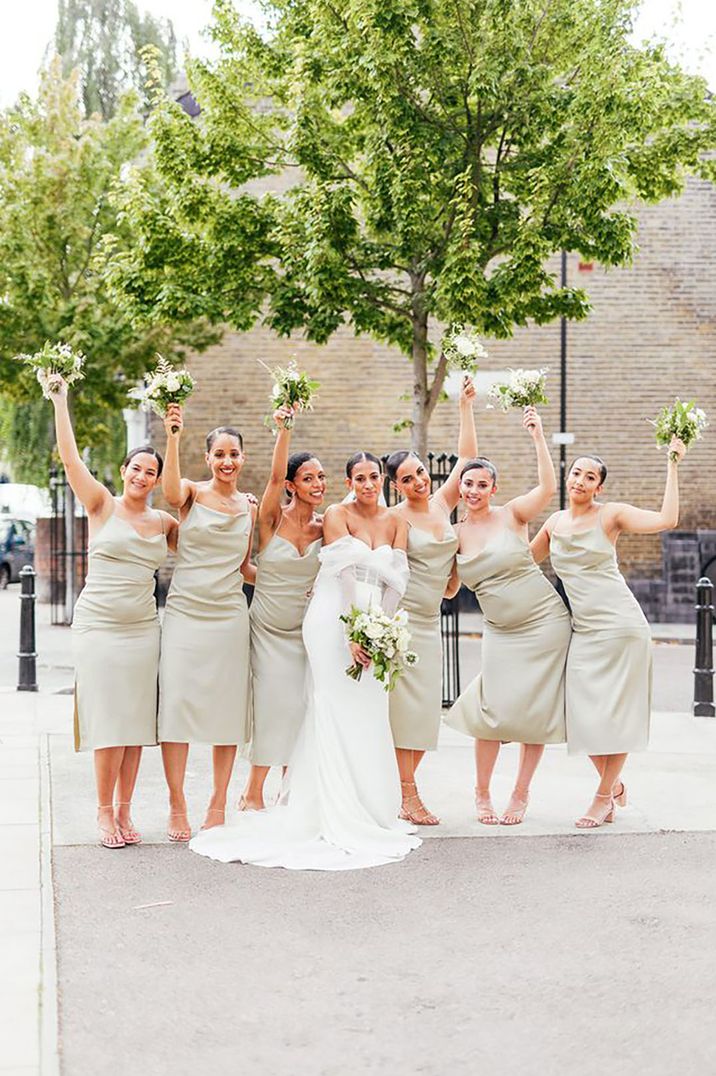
[374,631]
[276,391]
[173,383]
[463,345]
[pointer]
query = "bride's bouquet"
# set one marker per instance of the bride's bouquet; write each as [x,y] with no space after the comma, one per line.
[164,386]
[292,388]
[55,359]
[385,638]
[523,388]
[683,420]
[462,349]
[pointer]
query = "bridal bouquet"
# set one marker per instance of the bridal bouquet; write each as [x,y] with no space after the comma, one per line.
[164,386]
[385,638]
[524,388]
[683,420]
[292,388]
[462,349]
[55,359]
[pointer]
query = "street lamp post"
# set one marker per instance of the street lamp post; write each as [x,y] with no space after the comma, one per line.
[563,438]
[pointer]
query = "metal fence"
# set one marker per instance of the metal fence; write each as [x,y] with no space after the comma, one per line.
[439,467]
[68,548]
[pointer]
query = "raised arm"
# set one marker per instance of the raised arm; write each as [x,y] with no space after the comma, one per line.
[539,546]
[270,507]
[91,493]
[529,505]
[628,519]
[449,493]
[177,490]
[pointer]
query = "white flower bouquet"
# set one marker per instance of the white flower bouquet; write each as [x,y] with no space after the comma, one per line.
[292,388]
[164,386]
[524,388]
[385,638]
[682,420]
[55,359]
[462,349]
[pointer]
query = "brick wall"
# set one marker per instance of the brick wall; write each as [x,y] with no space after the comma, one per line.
[651,335]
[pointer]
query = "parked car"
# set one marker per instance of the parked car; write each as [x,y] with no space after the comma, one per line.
[17,548]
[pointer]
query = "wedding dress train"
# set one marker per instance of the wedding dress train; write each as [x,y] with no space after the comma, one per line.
[340,807]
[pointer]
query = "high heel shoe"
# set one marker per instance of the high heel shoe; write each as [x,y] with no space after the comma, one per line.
[413,809]
[621,799]
[597,818]
[128,832]
[214,810]
[178,834]
[515,816]
[109,838]
[485,811]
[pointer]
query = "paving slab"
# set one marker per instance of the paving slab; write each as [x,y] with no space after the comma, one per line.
[670,787]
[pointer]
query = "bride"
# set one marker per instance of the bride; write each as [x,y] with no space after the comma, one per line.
[340,808]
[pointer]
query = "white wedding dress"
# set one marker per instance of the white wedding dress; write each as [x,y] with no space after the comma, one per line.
[339,810]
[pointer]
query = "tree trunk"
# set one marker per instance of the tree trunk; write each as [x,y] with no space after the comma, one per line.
[421,396]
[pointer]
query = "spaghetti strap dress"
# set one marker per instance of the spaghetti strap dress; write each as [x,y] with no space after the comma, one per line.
[416,701]
[115,640]
[520,694]
[204,694]
[609,671]
[279,664]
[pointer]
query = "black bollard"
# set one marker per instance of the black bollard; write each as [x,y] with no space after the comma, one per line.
[27,669]
[704,667]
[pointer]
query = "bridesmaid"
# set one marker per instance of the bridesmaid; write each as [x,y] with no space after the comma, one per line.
[289,543]
[204,693]
[608,683]
[519,695]
[416,701]
[115,628]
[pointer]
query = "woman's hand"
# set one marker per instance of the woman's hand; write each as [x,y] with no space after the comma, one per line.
[532,422]
[468,392]
[284,414]
[57,387]
[677,450]
[174,422]
[359,655]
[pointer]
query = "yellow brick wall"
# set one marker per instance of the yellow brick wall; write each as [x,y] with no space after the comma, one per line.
[651,335]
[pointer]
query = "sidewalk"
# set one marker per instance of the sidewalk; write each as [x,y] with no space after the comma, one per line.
[47,796]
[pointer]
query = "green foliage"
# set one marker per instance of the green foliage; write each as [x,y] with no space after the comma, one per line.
[57,170]
[104,42]
[430,155]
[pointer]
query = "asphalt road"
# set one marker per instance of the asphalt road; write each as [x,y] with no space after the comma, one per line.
[548,956]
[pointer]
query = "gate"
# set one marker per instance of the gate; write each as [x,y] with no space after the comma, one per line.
[439,467]
[68,548]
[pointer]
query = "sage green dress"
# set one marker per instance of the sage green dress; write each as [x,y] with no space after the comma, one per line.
[115,640]
[519,695]
[204,694]
[284,580]
[416,701]
[609,670]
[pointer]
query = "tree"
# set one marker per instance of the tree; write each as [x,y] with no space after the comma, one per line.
[104,39]
[439,152]
[57,170]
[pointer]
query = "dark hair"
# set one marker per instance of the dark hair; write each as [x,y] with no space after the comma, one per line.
[296,461]
[144,450]
[211,437]
[480,463]
[597,459]
[394,462]
[360,457]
